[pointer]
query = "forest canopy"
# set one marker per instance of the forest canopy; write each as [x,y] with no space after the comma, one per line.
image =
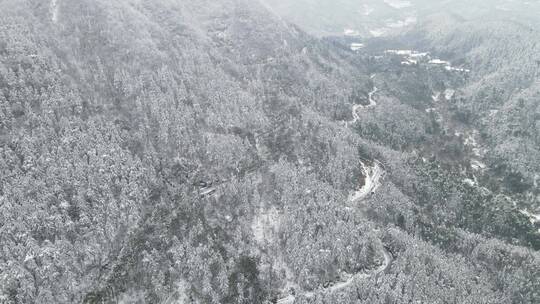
[204,151]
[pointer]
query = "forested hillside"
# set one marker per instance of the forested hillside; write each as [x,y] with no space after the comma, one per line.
[172,151]
[500,101]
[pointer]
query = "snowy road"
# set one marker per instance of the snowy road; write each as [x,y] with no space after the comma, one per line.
[371,104]
[373,175]
[372,181]
[342,285]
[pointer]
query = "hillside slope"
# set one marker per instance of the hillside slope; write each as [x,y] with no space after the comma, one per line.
[203,152]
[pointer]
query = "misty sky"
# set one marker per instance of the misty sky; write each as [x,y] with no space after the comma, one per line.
[373,18]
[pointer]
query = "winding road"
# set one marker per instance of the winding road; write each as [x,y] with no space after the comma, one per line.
[342,285]
[372,181]
[371,104]
[373,175]
[373,172]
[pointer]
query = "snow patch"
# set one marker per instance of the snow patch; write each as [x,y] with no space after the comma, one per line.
[449,94]
[419,54]
[402,23]
[351,33]
[469,182]
[409,62]
[448,66]
[400,52]
[28,257]
[410,57]
[398,4]
[436,96]
[493,113]
[409,53]
[471,141]
[454,69]
[357,46]
[372,181]
[437,61]
[265,225]
[534,218]
[378,32]
[478,165]
[54,11]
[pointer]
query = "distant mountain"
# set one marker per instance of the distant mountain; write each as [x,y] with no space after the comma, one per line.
[377,18]
[354,18]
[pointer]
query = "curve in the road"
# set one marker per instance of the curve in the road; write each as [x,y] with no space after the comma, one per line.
[372,182]
[372,103]
[342,285]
